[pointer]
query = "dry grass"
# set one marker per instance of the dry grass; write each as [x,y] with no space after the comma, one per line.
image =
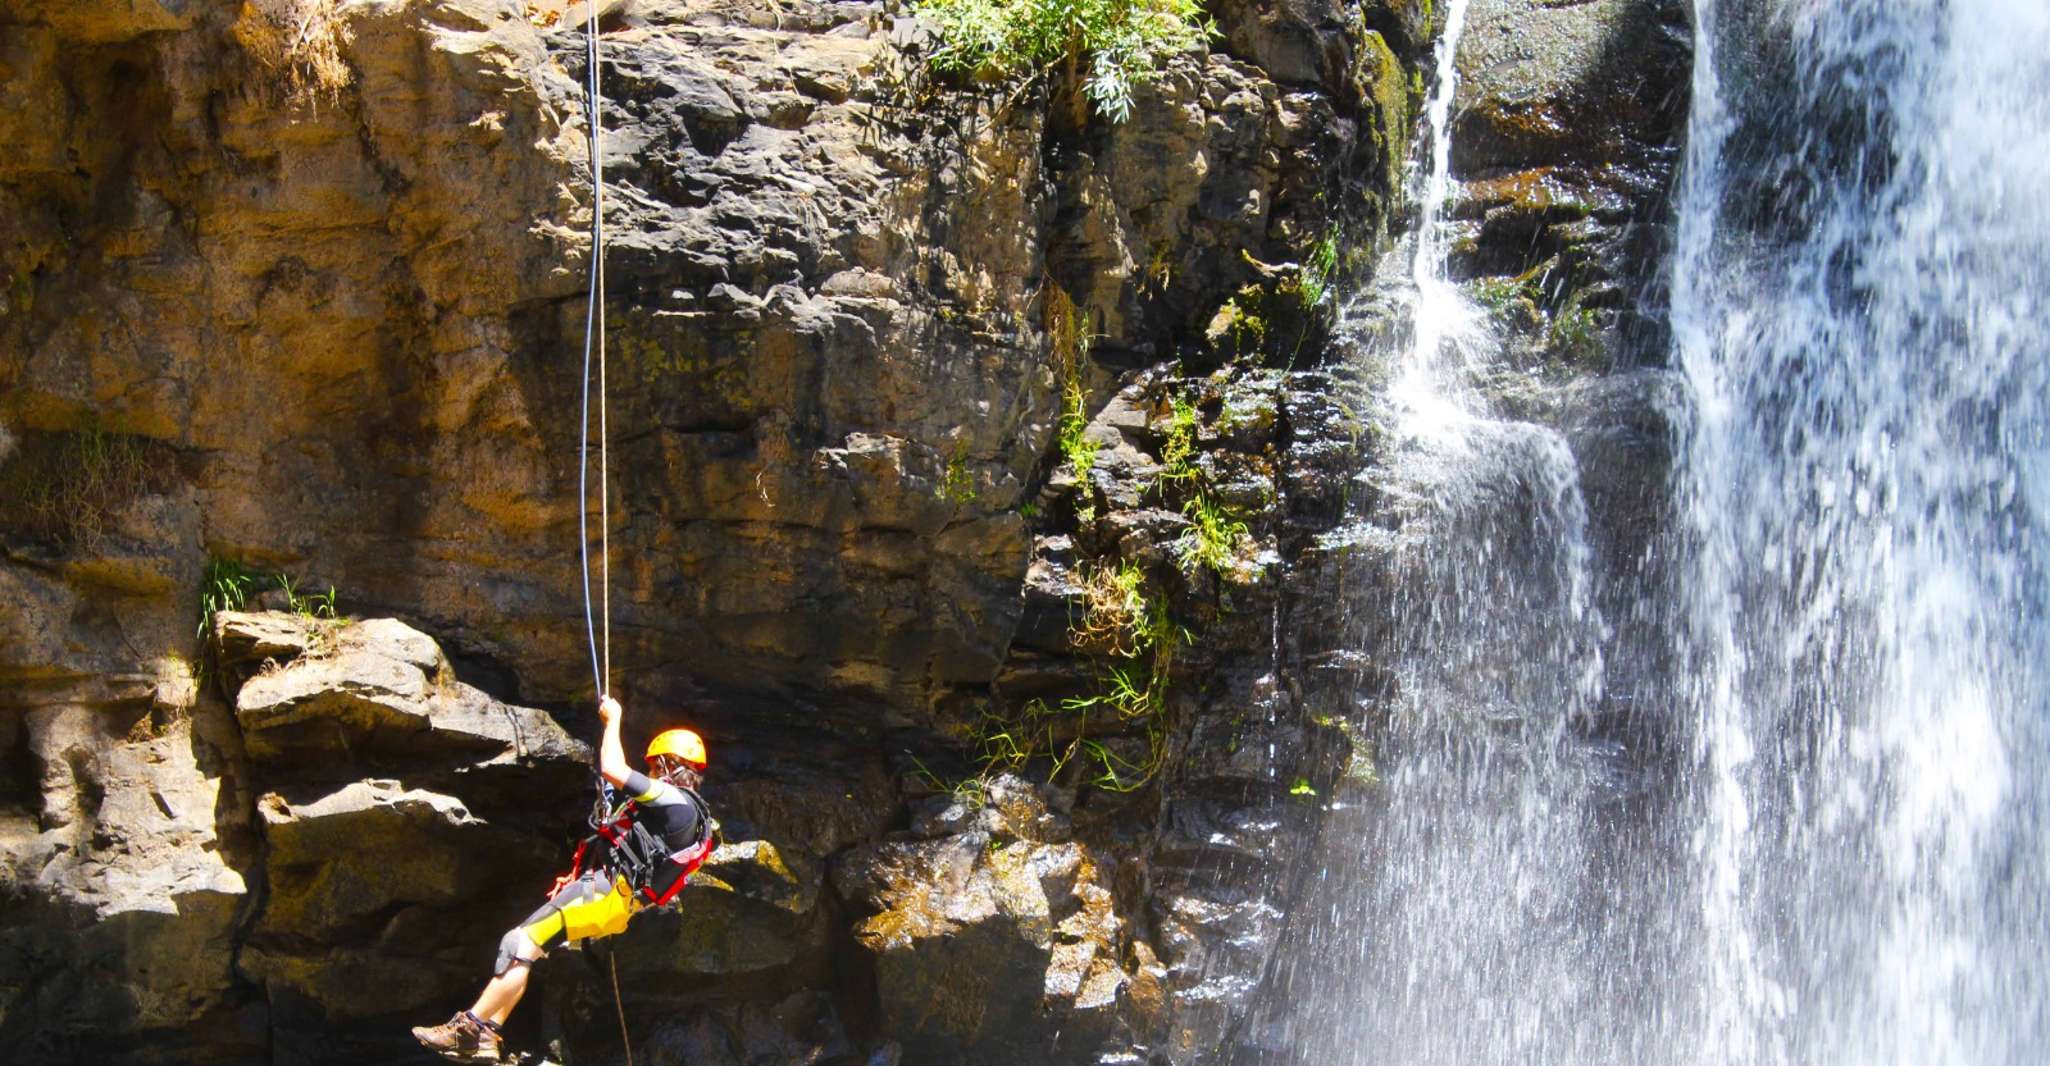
[70,487]
[300,42]
[1114,612]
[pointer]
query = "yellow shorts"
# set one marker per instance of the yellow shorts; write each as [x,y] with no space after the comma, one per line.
[586,907]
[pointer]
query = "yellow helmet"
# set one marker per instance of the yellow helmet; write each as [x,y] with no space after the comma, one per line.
[681,743]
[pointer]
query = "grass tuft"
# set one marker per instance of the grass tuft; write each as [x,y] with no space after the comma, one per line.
[1070,348]
[67,487]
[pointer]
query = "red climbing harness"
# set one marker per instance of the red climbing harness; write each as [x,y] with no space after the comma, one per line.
[655,873]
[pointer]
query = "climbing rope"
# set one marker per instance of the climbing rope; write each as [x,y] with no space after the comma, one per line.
[598,637]
[620,1006]
[594,337]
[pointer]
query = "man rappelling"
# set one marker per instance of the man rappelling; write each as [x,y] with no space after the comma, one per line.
[645,847]
[651,831]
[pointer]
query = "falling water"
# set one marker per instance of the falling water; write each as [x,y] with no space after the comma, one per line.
[1860,309]
[1441,926]
[1846,861]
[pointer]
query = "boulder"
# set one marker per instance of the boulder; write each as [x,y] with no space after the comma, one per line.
[748,921]
[978,935]
[381,897]
[327,687]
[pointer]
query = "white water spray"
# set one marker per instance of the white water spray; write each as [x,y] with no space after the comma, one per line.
[1858,305]
[1445,895]
[1429,392]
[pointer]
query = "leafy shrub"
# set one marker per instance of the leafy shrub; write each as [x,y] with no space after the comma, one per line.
[1122,43]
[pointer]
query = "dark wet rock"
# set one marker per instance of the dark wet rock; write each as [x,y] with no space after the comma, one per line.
[1569,128]
[1578,84]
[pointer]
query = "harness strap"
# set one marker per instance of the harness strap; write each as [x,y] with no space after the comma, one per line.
[639,854]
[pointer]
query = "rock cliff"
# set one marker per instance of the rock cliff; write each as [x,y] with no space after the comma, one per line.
[979,478]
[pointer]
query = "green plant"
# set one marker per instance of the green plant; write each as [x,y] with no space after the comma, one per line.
[225,587]
[1119,620]
[1319,271]
[1122,692]
[1115,773]
[1070,346]
[1215,535]
[1238,320]
[319,606]
[1114,610]
[1178,451]
[1574,332]
[1122,43]
[1160,269]
[957,484]
[1301,788]
[969,790]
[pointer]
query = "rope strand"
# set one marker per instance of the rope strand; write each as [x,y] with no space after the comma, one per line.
[594,336]
[594,329]
[620,1005]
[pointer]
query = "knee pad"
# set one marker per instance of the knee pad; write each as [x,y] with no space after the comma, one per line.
[509,952]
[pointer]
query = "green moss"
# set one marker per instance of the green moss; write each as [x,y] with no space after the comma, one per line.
[662,360]
[1392,92]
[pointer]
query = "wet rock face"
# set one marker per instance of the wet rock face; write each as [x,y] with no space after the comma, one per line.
[1568,126]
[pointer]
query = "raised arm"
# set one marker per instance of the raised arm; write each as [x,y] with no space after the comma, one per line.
[612,765]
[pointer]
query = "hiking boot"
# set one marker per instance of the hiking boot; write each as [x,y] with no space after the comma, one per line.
[464,1036]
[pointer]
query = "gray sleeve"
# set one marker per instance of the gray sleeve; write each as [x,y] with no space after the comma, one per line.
[649,792]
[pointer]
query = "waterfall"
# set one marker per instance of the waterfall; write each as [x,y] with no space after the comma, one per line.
[1859,307]
[1454,901]
[1840,858]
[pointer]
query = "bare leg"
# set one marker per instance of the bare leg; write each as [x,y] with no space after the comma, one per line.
[503,993]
